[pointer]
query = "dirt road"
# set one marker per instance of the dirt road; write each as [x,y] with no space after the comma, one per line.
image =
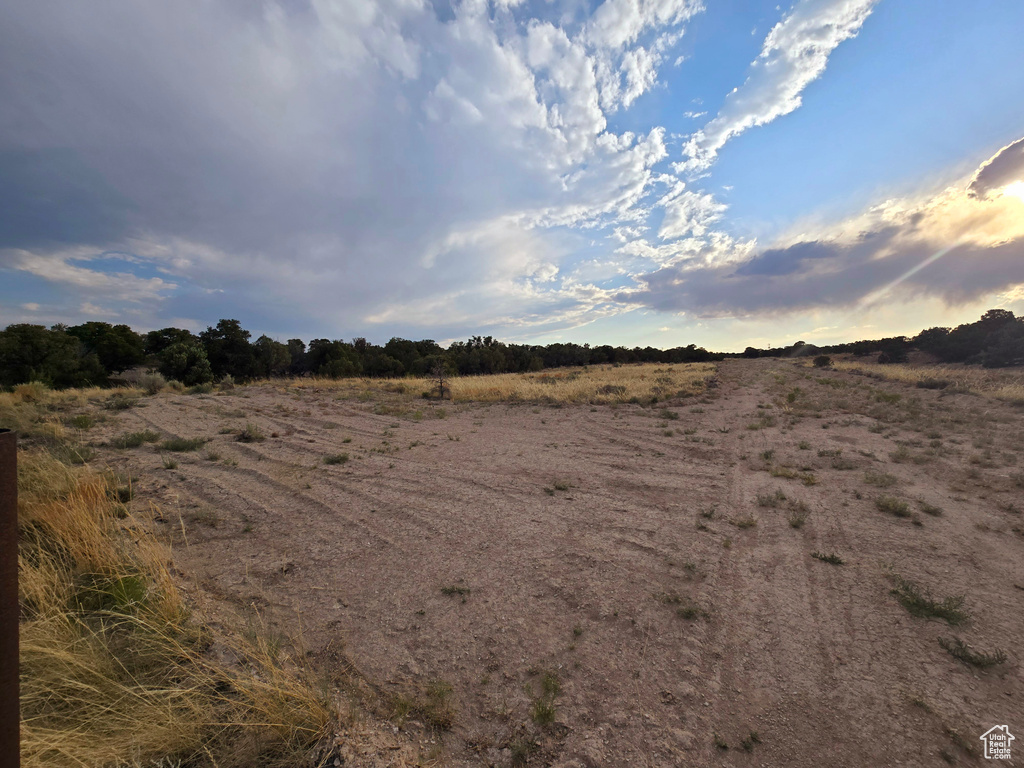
[642,574]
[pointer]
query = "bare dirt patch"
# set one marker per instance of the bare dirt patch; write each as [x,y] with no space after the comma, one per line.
[598,585]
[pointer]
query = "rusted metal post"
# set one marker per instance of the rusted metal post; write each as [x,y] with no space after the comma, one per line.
[10,717]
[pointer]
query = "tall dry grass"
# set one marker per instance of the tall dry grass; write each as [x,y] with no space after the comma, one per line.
[590,384]
[1000,384]
[114,670]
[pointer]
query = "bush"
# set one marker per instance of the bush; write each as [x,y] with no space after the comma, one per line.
[823,361]
[251,434]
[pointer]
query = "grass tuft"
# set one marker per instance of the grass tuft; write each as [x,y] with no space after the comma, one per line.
[920,603]
[183,444]
[893,506]
[961,651]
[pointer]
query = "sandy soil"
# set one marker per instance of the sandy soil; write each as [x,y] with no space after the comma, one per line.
[578,532]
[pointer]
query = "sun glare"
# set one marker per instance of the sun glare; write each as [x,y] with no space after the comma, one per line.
[1015,190]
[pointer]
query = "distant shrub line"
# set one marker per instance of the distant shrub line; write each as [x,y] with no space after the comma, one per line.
[96,353]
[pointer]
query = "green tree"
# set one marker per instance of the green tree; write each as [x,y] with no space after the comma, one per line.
[186,362]
[272,357]
[118,347]
[229,351]
[34,353]
[158,341]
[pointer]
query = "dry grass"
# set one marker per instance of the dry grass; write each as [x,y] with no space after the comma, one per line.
[591,384]
[113,669]
[1005,384]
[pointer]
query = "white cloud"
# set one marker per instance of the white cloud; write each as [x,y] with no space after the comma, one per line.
[689,213]
[794,54]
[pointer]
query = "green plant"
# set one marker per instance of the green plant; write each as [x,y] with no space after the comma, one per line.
[893,506]
[542,711]
[134,439]
[336,458]
[719,742]
[747,521]
[170,463]
[82,421]
[920,603]
[120,402]
[930,509]
[880,479]
[961,651]
[250,434]
[182,444]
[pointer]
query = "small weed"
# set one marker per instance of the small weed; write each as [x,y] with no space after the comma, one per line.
[893,506]
[803,445]
[577,631]
[665,413]
[797,518]
[336,458]
[749,742]
[455,589]
[719,742]
[727,542]
[182,444]
[768,455]
[134,439]
[930,509]
[212,456]
[747,521]
[919,603]
[561,486]
[832,559]
[880,479]
[120,403]
[170,463]
[251,434]
[347,440]
[709,513]
[773,499]
[961,651]
[83,421]
[900,455]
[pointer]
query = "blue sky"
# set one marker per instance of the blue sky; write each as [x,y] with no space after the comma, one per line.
[643,172]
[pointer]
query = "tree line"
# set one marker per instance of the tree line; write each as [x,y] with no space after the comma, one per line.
[92,353]
[994,341]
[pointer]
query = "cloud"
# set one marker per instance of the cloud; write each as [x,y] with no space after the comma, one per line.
[689,213]
[315,163]
[953,245]
[794,54]
[1004,168]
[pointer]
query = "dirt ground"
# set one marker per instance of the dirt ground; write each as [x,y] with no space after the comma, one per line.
[613,567]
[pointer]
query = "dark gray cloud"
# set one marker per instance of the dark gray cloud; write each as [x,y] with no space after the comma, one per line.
[832,274]
[1005,167]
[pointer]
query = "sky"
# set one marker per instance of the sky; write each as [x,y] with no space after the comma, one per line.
[636,172]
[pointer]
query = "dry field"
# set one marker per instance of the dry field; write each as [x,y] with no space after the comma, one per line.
[786,567]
